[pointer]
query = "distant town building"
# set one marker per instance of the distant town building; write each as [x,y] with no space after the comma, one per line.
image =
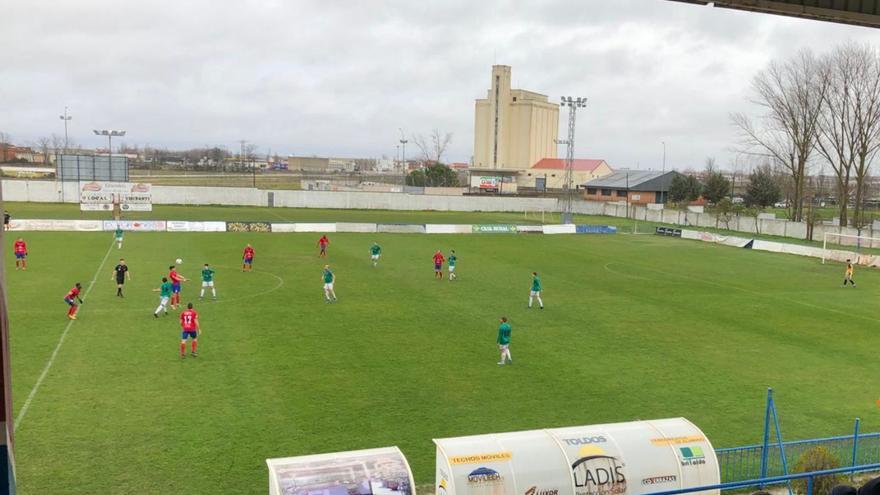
[308,163]
[633,186]
[549,173]
[513,128]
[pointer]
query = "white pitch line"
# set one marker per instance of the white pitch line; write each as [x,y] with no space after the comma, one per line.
[30,397]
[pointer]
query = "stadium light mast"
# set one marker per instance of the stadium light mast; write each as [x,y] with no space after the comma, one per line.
[403,142]
[66,118]
[573,104]
[110,135]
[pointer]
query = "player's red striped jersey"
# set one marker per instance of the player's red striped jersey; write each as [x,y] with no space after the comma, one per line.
[20,247]
[248,252]
[174,276]
[74,292]
[438,259]
[323,240]
[188,319]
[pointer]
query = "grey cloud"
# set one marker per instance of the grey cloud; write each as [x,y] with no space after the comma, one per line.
[340,77]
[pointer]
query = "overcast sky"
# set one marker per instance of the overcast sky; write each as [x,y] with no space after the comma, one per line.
[333,77]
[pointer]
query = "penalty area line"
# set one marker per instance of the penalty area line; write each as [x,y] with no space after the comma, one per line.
[30,397]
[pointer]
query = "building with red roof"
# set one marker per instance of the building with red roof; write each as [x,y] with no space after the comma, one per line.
[549,173]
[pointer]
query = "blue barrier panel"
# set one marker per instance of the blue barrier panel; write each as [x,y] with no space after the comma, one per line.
[595,229]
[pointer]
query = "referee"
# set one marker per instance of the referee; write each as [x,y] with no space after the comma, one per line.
[120,272]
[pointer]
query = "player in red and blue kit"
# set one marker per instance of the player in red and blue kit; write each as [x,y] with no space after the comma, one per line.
[175,279]
[247,259]
[71,298]
[438,264]
[189,322]
[20,248]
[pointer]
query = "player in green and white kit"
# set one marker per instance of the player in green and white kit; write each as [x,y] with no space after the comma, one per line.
[208,281]
[329,278]
[536,290]
[118,237]
[375,252]
[451,260]
[164,296]
[504,341]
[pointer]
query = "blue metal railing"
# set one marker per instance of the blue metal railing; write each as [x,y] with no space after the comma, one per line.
[774,480]
[744,463]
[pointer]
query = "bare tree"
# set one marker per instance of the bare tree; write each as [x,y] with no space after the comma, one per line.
[866,110]
[791,94]
[837,123]
[43,144]
[434,146]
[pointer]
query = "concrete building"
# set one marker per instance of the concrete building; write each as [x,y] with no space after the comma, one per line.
[549,173]
[513,128]
[308,163]
[633,186]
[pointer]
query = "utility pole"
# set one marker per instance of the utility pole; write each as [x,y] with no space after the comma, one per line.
[573,104]
[66,118]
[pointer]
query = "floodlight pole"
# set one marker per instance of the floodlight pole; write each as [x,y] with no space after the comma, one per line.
[110,134]
[573,104]
[66,118]
[403,142]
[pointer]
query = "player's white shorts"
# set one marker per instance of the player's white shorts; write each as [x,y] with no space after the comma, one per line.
[374,257]
[207,284]
[164,301]
[503,347]
[535,293]
[328,286]
[451,268]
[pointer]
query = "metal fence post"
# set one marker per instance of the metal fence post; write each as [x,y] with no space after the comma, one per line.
[766,443]
[810,485]
[855,446]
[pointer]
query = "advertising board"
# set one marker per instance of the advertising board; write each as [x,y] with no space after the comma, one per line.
[100,196]
[248,227]
[494,229]
[184,226]
[135,225]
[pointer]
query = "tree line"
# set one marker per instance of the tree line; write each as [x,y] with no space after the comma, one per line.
[819,110]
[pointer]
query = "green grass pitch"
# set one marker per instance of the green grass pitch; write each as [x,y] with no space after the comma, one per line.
[635,327]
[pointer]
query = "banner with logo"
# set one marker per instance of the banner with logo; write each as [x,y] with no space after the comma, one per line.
[135,225]
[361,472]
[614,459]
[596,229]
[248,227]
[185,226]
[101,196]
[486,183]
[668,231]
[56,225]
[493,228]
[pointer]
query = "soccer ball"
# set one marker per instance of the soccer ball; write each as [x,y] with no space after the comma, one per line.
[178,261]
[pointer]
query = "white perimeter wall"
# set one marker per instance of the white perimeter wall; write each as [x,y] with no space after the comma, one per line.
[54,192]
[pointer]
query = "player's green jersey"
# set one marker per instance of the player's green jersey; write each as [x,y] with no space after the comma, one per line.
[328,276]
[118,232]
[536,283]
[504,334]
[452,259]
[165,289]
[375,250]
[207,275]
